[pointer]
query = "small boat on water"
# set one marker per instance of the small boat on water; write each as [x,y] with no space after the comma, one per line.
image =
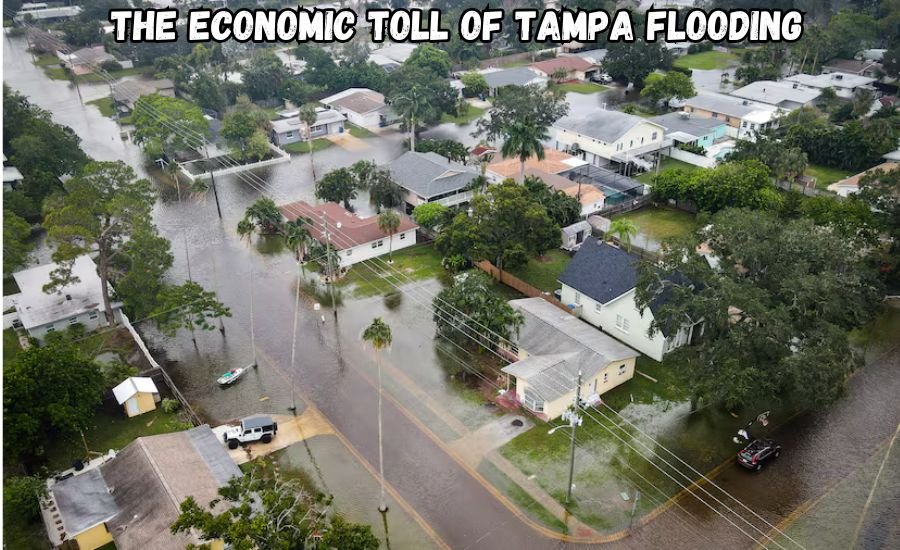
[232,376]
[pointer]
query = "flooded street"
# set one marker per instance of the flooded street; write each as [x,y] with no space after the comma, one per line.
[440,501]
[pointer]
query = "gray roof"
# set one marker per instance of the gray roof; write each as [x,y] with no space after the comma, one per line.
[517,76]
[777,93]
[127,91]
[602,124]
[289,121]
[695,126]
[726,104]
[83,501]
[152,476]
[601,271]
[559,345]
[430,174]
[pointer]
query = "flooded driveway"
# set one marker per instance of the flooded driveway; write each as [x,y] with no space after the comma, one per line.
[335,372]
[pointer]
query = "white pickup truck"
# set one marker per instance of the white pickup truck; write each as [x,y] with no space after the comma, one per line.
[253,428]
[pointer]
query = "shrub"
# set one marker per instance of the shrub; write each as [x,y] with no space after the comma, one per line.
[170,405]
[111,65]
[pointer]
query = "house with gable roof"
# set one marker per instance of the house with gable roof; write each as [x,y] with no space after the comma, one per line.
[430,177]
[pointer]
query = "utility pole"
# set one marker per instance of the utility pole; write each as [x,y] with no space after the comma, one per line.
[329,269]
[293,407]
[212,179]
[187,254]
[574,420]
[637,497]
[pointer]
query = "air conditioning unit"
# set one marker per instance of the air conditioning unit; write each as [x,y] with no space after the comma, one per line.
[685,115]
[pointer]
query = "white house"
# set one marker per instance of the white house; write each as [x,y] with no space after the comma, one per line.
[290,129]
[361,106]
[12,177]
[845,85]
[497,79]
[81,302]
[356,239]
[599,284]
[550,349]
[40,11]
[602,135]
[849,186]
[430,177]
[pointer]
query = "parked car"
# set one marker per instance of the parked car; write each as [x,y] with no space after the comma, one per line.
[601,78]
[253,428]
[759,451]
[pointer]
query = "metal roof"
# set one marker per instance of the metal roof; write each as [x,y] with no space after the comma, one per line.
[694,126]
[559,345]
[517,76]
[132,386]
[37,308]
[832,80]
[728,105]
[777,93]
[573,229]
[358,100]
[430,174]
[602,124]
[289,121]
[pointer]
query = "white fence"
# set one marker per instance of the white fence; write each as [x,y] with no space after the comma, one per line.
[280,156]
[691,158]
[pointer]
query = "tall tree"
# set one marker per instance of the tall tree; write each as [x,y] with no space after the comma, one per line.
[297,237]
[411,107]
[145,260]
[525,105]
[633,61]
[388,223]
[623,229]
[661,88]
[48,392]
[264,76]
[103,208]
[308,116]
[188,306]
[524,140]
[767,331]
[166,125]
[265,216]
[378,334]
[338,186]
[16,232]
[470,306]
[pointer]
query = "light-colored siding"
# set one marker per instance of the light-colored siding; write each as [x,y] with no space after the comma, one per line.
[90,324]
[599,152]
[366,251]
[93,538]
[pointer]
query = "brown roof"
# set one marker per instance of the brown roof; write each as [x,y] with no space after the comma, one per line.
[152,476]
[363,101]
[354,230]
[853,66]
[589,193]
[553,163]
[569,63]
[853,181]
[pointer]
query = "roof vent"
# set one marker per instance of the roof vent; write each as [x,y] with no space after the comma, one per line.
[68,297]
[745,102]
[795,86]
[839,77]
[685,115]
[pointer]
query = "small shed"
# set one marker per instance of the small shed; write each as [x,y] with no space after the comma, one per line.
[137,394]
[575,234]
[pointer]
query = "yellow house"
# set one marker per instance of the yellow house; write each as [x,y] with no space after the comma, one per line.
[137,394]
[552,347]
[133,497]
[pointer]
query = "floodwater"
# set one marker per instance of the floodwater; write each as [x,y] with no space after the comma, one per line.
[334,372]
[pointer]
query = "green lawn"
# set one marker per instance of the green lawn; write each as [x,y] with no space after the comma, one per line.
[705,60]
[520,498]
[58,73]
[11,347]
[582,87]
[660,223]
[544,272]
[473,113]
[359,131]
[638,110]
[301,147]
[667,164]
[111,429]
[46,60]
[106,106]
[825,175]
[373,277]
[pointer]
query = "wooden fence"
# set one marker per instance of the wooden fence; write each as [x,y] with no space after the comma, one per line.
[627,206]
[516,283]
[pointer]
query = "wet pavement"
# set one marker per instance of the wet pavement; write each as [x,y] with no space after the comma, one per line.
[335,372]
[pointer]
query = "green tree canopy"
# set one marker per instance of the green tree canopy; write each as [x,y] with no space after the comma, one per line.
[165,125]
[472,314]
[730,185]
[767,330]
[635,60]
[660,88]
[339,186]
[188,306]
[522,105]
[265,76]
[506,226]
[48,392]
[563,209]
[430,215]
[265,216]
[16,231]
[102,209]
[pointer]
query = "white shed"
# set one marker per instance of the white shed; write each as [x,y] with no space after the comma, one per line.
[138,394]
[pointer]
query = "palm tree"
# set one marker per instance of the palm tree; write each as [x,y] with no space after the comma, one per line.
[624,229]
[265,214]
[379,335]
[296,237]
[409,106]
[308,116]
[389,222]
[524,140]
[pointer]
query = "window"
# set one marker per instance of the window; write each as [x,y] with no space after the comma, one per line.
[622,323]
[402,236]
[621,370]
[642,141]
[744,124]
[631,144]
[715,115]
[377,244]
[597,307]
[728,119]
[605,377]
[51,328]
[577,298]
[350,252]
[93,315]
[533,401]
[653,137]
[73,320]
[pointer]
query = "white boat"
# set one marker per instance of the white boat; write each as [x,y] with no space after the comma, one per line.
[232,376]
